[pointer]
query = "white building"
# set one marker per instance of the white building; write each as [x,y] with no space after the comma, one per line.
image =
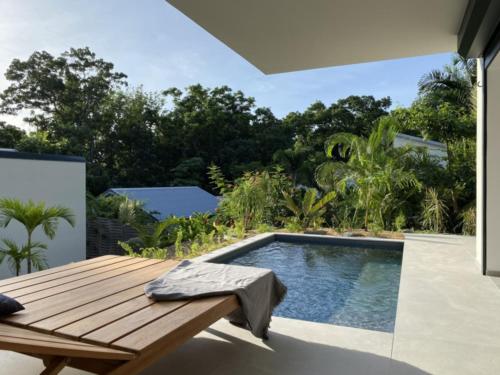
[435,149]
[56,180]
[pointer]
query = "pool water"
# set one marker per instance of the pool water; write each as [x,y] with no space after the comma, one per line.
[348,286]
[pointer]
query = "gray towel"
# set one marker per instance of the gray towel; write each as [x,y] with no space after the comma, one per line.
[259,290]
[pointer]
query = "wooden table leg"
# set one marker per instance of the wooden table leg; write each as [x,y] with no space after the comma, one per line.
[55,365]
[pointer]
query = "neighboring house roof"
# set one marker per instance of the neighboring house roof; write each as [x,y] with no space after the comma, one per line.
[419,141]
[180,201]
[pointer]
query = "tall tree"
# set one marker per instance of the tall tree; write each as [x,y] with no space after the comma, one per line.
[64,96]
[10,135]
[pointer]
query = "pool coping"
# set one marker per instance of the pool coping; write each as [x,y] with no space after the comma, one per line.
[241,247]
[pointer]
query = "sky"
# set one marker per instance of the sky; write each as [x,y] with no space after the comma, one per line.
[158,48]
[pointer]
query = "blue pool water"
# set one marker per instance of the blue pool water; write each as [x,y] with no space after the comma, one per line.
[349,286]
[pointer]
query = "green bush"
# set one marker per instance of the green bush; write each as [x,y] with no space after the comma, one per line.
[253,199]
[400,221]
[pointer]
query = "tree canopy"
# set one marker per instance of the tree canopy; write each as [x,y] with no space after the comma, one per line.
[77,103]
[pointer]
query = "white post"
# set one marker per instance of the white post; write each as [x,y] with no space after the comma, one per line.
[480,163]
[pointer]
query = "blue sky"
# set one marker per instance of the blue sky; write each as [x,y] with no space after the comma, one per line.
[158,47]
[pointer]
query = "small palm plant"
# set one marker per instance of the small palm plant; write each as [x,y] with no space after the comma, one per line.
[15,255]
[310,210]
[434,211]
[153,235]
[32,216]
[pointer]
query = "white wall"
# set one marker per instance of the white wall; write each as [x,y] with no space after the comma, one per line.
[493,168]
[55,182]
[479,163]
[435,149]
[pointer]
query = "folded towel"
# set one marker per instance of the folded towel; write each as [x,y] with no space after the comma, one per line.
[259,290]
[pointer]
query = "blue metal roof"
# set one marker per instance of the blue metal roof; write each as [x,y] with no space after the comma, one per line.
[180,201]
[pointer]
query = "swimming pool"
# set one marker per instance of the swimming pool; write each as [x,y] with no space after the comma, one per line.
[351,286]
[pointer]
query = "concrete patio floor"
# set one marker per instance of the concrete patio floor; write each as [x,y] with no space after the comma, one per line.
[448,322]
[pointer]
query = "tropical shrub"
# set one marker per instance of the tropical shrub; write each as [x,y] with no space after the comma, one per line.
[468,219]
[119,207]
[374,172]
[146,252]
[400,221]
[434,211]
[309,209]
[158,234]
[252,199]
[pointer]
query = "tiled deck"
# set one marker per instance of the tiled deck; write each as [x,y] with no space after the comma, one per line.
[448,322]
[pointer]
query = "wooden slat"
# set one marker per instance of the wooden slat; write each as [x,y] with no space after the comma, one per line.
[63,302]
[180,325]
[14,280]
[93,322]
[60,320]
[62,274]
[120,329]
[132,322]
[45,286]
[26,341]
[26,333]
[26,299]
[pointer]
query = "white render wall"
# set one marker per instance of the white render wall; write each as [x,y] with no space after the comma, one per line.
[435,149]
[56,183]
[493,168]
[480,163]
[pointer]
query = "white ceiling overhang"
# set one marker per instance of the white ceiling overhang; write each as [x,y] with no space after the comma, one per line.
[287,35]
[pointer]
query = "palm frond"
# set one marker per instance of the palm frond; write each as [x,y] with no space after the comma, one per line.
[290,204]
[327,198]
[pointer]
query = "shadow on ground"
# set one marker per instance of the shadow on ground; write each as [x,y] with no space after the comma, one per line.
[225,354]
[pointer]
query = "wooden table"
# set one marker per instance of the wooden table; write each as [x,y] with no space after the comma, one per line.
[93,315]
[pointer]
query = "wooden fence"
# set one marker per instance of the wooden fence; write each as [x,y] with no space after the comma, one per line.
[103,236]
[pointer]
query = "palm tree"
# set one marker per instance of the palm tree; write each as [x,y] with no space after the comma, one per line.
[16,255]
[310,210]
[455,83]
[33,215]
[294,160]
[373,171]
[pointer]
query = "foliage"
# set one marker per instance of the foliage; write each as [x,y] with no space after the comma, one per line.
[157,234]
[295,161]
[32,216]
[310,208]
[40,143]
[434,211]
[374,173]
[254,198]
[78,104]
[119,207]
[16,255]
[400,221]
[145,252]
[10,135]
[468,221]
[173,235]
[264,228]
[454,84]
